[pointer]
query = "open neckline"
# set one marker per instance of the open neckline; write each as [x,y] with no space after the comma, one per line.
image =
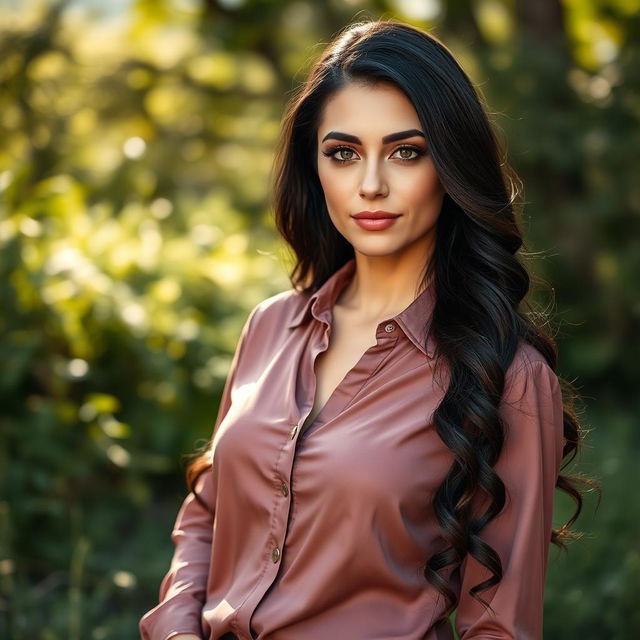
[380,352]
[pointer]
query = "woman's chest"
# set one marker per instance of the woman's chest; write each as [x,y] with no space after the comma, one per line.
[346,347]
[373,435]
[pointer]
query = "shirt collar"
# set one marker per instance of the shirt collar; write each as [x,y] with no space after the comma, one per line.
[414,320]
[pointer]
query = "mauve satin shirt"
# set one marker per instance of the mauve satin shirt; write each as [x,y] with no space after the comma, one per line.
[322,535]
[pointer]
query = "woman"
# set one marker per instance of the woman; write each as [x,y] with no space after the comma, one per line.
[392,429]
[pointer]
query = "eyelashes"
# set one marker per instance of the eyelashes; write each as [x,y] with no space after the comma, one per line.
[330,153]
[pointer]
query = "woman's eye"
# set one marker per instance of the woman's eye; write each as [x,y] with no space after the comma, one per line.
[346,154]
[405,153]
[344,150]
[336,154]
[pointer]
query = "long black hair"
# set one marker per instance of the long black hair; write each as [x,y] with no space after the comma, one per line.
[479,277]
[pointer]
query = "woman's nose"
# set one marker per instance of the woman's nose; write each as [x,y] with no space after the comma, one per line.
[373,182]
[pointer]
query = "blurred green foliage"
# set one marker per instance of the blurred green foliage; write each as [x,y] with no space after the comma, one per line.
[135,150]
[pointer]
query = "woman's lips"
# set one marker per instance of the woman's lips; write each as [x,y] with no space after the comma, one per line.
[378,223]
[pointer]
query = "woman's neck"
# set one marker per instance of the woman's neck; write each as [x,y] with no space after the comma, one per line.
[383,286]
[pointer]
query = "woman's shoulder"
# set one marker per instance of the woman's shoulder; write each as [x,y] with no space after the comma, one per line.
[527,361]
[280,309]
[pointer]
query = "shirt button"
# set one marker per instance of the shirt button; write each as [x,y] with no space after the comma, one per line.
[389,327]
[275,554]
[294,431]
[285,489]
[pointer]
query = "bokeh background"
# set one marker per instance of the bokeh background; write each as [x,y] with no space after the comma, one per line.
[136,141]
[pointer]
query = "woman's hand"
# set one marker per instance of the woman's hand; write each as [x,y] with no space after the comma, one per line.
[186,636]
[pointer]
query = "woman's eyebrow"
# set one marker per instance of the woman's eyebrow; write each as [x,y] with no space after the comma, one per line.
[392,137]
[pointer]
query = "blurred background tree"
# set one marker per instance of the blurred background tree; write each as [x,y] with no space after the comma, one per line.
[136,141]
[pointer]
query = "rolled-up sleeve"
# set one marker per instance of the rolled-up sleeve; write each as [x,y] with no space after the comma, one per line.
[531,411]
[183,589]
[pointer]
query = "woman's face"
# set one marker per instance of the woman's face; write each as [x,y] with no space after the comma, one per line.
[361,169]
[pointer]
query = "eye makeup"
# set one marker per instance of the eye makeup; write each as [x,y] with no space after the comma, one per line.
[330,153]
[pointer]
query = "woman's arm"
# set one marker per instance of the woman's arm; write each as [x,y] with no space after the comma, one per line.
[531,411]
[183,589]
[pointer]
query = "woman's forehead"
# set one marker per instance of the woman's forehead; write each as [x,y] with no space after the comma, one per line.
[371,111]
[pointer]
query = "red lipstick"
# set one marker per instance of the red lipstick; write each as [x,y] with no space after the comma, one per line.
[375,220]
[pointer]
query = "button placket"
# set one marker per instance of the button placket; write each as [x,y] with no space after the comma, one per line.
[283,486]
[296,428]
